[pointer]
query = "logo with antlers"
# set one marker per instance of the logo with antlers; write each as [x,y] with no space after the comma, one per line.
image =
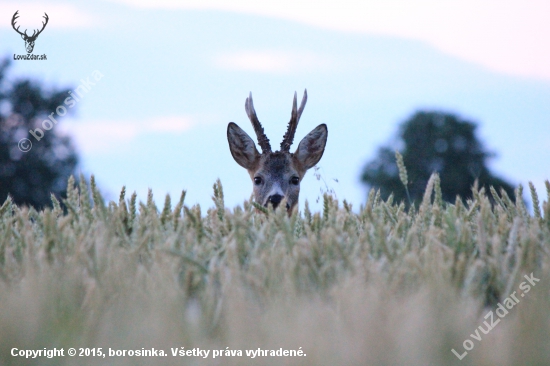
[29,40]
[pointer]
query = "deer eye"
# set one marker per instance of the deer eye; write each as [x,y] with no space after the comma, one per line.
[295,181]
[258,181]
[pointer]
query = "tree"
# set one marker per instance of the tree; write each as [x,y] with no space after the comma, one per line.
[30,177]
[434,142]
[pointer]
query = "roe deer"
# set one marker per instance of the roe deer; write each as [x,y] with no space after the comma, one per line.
[276,175]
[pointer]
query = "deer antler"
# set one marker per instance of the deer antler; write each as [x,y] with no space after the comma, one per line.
[15,16]
[263,141]
[43,24]
[293,124]
[34,34]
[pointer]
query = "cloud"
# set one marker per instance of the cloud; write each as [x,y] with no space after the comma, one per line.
[106,136]
[31,13]
[272,61]
[170,124]
[507,36]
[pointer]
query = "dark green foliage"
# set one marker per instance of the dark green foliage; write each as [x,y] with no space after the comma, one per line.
[31,177]
[434,142]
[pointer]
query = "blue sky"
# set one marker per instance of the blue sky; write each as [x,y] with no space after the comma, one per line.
[175,73]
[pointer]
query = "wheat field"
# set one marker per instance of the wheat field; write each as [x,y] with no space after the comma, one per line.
[376,285]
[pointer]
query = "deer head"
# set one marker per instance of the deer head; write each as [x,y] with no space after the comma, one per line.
[276,175]
[29,40]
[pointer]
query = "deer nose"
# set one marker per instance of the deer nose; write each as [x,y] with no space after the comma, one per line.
[275,200]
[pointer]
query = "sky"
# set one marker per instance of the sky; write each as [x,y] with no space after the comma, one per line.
[174,73]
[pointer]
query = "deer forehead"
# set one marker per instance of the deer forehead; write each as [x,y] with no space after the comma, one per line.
[278,164]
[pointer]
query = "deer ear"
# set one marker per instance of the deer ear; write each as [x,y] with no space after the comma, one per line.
[311,148]
[242,147]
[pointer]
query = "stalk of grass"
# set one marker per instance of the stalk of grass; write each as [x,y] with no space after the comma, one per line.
[167,210]
[6,206]
[403,176]
[176,214]
[218,199]
[536,203]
